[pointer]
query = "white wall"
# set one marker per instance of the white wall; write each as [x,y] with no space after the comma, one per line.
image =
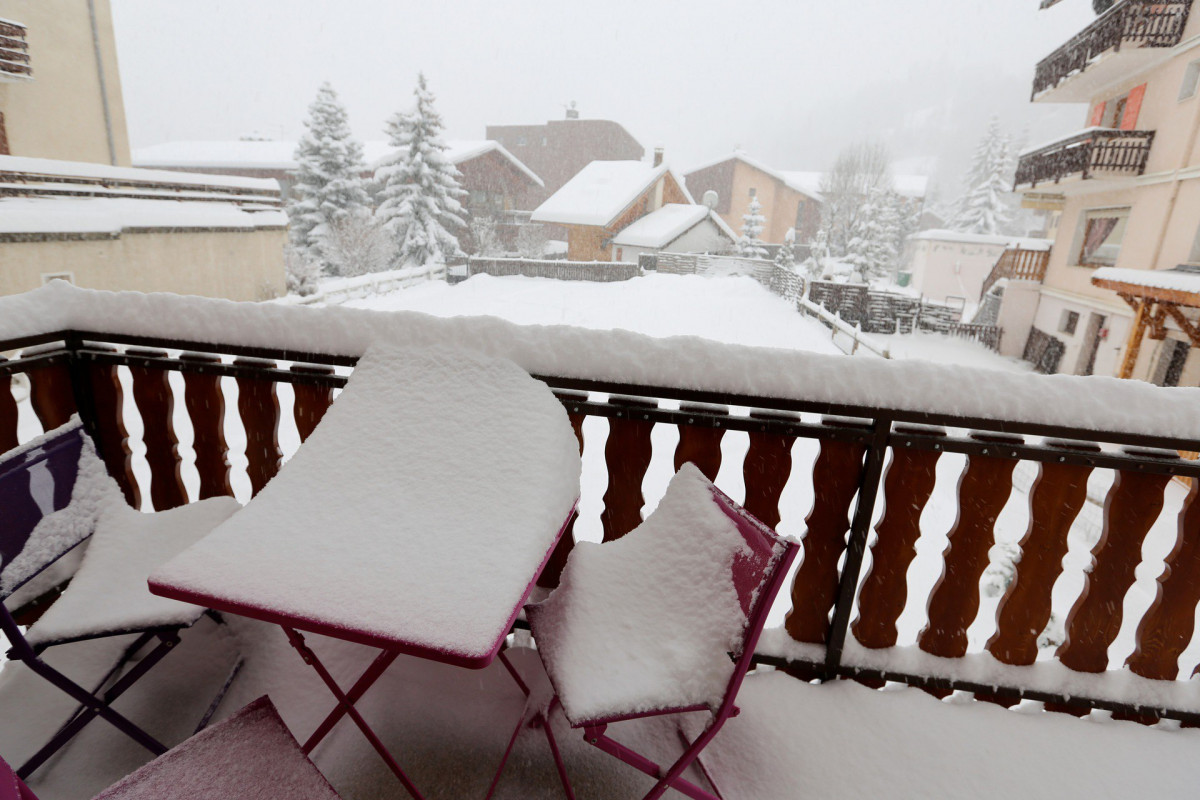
[942,269]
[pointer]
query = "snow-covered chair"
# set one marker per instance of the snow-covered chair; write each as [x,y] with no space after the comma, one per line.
[55,494]
[251,754]
[662,621]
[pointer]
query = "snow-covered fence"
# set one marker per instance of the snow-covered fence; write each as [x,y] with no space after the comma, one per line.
[785,283]
[339,290]
[853,336]
[855,455]
[596,271]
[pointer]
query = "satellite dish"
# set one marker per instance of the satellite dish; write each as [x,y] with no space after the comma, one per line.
[710,199]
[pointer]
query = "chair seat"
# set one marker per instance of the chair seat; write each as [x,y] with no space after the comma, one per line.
[108,594]
[660,616]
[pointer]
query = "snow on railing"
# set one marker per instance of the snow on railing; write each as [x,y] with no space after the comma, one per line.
[339,290]
[915,462]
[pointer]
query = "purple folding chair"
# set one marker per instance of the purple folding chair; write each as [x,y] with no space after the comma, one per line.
[54,494]
[251,754]
[586,653]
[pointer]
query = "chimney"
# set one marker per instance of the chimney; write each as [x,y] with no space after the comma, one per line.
[572,111]
[658,156]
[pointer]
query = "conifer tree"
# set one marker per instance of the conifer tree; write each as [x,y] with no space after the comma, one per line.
[871,247]
[420,199]
[753,222]
[786,257]
[329,188]
[984,208]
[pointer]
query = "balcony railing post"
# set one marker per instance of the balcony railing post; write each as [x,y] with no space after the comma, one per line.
[81,386]
[864,509]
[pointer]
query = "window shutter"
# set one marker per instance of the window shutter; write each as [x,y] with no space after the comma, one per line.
[1132,107]
[1097,115]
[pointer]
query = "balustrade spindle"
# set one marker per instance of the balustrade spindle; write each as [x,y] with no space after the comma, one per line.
[983,489]
[558,559]
[156,403]
[1167,627]
[311,400]
[627,455]
[766,469]
[907,486]
[205,403]
[112,437]
[258,406]
[1054,502]
[8,412]
[51,395]
[1133,504]
[700,445]
[836,476]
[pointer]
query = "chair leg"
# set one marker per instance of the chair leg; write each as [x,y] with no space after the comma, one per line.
[98,706]
[538,718]
[558,762]
[671,778]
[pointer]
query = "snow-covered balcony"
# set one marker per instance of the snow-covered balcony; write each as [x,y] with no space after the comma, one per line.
[1095,153]
[1130,36]
[1017,543]
[14,52]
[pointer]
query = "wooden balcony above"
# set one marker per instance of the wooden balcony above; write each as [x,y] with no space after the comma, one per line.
[1094,153]
[14,52]
[1020,264]
[1127,37]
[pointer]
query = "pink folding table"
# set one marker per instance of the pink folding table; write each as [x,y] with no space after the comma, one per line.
[415,519]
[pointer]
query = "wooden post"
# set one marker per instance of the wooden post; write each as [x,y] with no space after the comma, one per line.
[1134,343]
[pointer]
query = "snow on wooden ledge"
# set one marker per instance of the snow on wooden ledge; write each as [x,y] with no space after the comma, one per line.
[685,362]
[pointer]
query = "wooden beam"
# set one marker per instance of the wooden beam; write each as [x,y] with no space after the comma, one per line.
[1175,296]
[1158,323]
[1185,324]
[1134,344]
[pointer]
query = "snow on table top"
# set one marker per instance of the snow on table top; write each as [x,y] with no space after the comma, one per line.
[109,593]
[83,169]
[645,622]
[251,754]
[685,362]
[1169,279]
[115,214]
[599,192]
[417,513]
[662,226]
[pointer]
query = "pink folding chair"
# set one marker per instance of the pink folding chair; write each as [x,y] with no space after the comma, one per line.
[663,621]
[251,754]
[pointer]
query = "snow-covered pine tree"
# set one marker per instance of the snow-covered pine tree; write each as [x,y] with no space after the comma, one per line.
[420,199]
[753,222]
[871,248]
[985,206]
[329,186]
[818,254]
[786,257]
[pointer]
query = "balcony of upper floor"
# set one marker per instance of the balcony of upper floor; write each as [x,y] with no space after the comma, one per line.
[1130,36]
[876,463]
[1092,154]
[14,52]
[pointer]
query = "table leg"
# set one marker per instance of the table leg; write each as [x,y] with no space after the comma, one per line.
[346,703]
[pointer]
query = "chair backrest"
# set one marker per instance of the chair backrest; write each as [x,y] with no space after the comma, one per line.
[753,574]
[36,480]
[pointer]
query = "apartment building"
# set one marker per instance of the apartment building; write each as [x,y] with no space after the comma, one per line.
[1126,189]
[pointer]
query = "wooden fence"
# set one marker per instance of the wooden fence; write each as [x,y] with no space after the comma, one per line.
[866,463]
[596,271]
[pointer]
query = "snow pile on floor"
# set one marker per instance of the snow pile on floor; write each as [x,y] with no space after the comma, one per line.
[645,622]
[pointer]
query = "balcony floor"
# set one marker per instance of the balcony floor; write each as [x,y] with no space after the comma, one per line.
[449,726]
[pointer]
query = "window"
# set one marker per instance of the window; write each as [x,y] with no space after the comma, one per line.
[69,277]
[753,191]
[1171,358]
[521,141]
[1191,78]
[1098,238]
[1114,112]
[1068,322]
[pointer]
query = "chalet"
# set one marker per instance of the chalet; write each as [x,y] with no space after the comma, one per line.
[786,202]
[72,208]
[674,228]
[605,198]
[559,149]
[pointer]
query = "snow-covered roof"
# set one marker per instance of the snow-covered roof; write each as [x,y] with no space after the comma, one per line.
[785,177]
[600,192]
[664,225]
[1171,280]
[281,155]
[943,235]
[103,172]
[115,214]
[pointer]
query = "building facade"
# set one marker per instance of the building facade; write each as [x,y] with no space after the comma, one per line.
[785,203]
[1126,188]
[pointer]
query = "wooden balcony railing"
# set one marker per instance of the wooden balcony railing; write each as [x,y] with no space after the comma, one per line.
[873,469]
[1093,151]
[1128,24]
[1017,263]
[14,52]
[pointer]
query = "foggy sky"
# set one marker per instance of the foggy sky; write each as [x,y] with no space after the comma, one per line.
[789,81]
